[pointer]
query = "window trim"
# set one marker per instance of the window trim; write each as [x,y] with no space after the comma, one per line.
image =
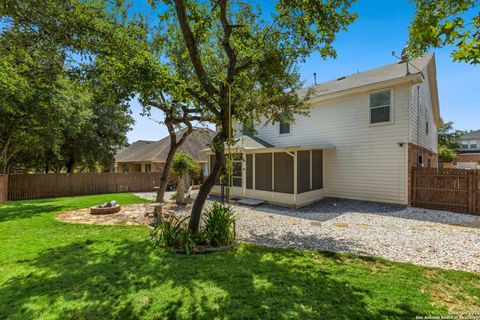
[369,94]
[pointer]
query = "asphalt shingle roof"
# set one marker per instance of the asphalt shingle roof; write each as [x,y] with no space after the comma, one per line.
[381,74]
[472,135]
[158,150]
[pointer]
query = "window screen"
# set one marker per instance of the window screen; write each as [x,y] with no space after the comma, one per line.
[249,164]
[283,172]
[317,169]
[303,171]
[263,171]
[380,106]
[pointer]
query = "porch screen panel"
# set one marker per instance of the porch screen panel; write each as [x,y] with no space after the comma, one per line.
[263,171]
[249,164]
[317,169]
[303,171]
[283,172]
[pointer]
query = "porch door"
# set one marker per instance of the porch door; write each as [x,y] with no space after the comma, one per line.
[237,160]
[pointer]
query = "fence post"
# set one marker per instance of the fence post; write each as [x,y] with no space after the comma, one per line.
[474,190]
[471,192]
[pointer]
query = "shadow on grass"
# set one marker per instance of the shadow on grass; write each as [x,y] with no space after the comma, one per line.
[14,210]
[130,280]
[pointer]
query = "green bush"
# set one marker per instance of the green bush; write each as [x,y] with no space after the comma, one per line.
[219,229]
[168,232]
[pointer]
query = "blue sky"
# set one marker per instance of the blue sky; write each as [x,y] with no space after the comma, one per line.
[381,28]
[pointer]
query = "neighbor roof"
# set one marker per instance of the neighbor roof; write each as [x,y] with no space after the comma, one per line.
[472,135]
[147,151]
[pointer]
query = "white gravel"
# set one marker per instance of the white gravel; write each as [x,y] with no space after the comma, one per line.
[420,236]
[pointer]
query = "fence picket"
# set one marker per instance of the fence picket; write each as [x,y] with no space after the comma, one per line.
[448,189]
[35,186]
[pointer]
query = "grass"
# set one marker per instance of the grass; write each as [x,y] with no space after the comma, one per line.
[54,270]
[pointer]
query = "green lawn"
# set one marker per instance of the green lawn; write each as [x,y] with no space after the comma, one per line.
[54,270]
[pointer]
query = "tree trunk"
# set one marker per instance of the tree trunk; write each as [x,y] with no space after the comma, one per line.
[70,164]
[180,190]
[206,188]
[4,154]
[167,168]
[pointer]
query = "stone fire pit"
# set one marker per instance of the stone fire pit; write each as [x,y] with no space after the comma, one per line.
[106,208]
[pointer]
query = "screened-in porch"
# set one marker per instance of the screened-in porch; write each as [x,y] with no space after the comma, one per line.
[291,176]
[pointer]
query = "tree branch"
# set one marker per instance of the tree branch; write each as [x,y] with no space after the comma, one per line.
[193,48]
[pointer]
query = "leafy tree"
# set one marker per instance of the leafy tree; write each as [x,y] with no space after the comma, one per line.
[448,142]
[232,60]
[446,154]
[445,22]
[183,166]
[45,46]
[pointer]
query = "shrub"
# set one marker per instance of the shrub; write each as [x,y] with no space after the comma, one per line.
[218,230]
[168,231]
[173,234]
[219,225]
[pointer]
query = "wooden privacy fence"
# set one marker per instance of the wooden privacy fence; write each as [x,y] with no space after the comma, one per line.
[455,190]
[35,186]
[3,188]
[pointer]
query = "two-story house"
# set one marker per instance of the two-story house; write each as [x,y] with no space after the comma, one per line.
[364,135]
[469,153]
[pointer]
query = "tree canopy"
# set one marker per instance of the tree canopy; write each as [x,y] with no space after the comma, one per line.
[54,112]
[447,23]
[448,142]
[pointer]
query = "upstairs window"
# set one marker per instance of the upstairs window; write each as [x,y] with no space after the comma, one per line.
[284,128]
[148,167]
[248,128]
[469,144]
[380,107]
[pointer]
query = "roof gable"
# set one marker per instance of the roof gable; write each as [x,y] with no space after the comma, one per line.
[152,151]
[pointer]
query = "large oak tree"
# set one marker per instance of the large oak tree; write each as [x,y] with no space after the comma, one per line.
[237,61]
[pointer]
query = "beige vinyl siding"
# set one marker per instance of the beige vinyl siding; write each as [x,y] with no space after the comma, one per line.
[421,109]
[368,163]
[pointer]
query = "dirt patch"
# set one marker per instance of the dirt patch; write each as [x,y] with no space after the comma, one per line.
[133,214]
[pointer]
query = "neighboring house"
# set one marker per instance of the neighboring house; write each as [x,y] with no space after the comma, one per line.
[150,156]
[469,153]
[364,135]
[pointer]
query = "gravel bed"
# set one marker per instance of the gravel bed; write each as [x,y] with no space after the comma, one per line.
[420,236]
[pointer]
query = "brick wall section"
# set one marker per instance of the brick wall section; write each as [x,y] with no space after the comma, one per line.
[430,160]
[468,158]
